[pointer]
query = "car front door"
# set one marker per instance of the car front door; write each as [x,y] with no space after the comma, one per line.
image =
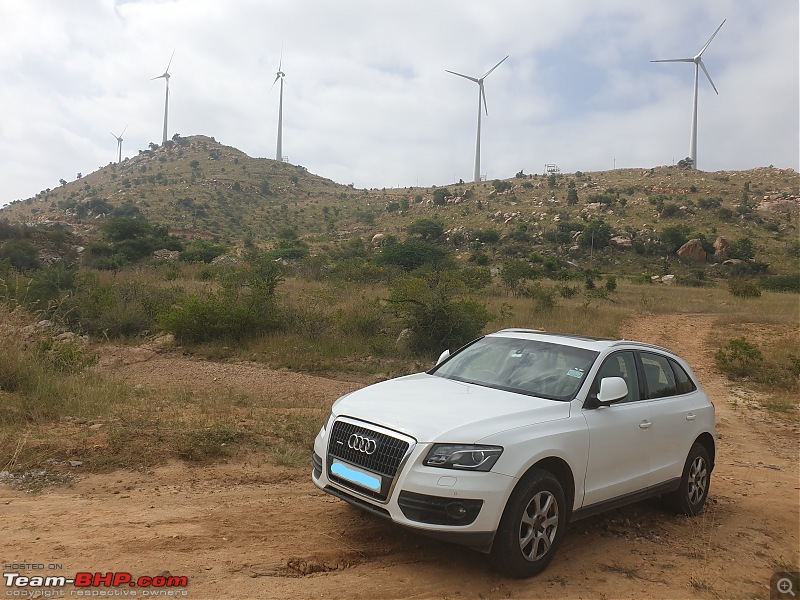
[619,436]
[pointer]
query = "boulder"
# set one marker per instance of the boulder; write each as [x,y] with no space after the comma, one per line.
[377,240]
[404,341]
[165,254]
[620,243]
[668,279]
[692,251]
[721,247]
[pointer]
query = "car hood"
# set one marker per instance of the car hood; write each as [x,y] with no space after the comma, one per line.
[434,409]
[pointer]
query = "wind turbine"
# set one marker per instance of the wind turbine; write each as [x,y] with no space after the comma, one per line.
[119,142]
[481,98]
[280,75]
[698,64]
[165,76]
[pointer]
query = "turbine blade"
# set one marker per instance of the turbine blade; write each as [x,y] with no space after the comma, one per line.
[280,61]
[464,76]
[159,77]
[483,95]
[691,60]
[124,130]
[115,136]
[494,67]
[709,76]
[711,38]
[170,61]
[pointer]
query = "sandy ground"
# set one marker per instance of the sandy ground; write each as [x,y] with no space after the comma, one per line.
[247,529]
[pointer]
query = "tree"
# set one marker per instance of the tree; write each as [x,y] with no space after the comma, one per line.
[427,229]
[743,249]
[596,234]
[440,196]
[195,164]
[686,163]
[572,194]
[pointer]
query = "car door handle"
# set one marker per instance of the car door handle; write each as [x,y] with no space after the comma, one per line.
[645,425]
[691,417]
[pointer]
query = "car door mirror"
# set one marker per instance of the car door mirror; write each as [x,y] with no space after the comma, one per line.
[442,357]
[612,389]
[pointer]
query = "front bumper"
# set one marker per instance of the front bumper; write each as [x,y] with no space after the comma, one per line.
[456,506]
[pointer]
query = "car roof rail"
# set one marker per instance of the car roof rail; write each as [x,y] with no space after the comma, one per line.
[554,334]
[643,345]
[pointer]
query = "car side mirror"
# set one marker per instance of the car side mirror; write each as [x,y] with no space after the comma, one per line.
[443,356]
[612,389]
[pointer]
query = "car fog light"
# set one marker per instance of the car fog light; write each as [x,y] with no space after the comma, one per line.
[456,510]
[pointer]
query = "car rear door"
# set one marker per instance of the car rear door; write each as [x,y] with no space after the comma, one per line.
[677,407]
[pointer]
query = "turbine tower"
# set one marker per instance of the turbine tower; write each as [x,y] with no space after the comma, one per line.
[698,64]
[481,98]
[119,143]
[165,76]
[280,75]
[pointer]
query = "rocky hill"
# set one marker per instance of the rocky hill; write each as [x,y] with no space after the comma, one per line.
[201,189]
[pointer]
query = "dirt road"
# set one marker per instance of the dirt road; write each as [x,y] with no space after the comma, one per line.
[250,530]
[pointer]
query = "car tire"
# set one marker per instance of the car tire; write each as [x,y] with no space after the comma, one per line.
[690,497]
[531,527]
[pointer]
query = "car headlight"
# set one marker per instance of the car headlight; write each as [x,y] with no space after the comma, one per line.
[461,456]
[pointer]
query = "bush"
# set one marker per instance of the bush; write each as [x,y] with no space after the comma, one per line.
[244,308]
[544,298]
[596,232]
[435,314]
[201,251]
[475,278]
[411,254]
[739,358]
[22,255]
[781,283]
[479,258]
[568,291]
[744,288]
[742,249]
[427,229]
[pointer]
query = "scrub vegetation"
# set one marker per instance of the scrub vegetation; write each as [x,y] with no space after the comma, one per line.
[242,259]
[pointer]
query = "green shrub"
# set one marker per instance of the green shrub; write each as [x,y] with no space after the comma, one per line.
[411,254]
[744,288]
[781,283]
[568,291]
[739,358]
[475,278]
[544,298]
[435,313]
[427,229]
[22,255]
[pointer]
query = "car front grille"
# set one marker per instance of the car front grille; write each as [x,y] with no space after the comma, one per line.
[391,449]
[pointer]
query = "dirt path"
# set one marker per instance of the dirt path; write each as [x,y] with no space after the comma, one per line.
[252,530]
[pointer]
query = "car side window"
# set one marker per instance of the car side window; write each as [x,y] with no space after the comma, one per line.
[619,364]
[658,375]
[683,382]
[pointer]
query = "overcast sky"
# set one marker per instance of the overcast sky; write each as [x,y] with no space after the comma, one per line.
[367,99]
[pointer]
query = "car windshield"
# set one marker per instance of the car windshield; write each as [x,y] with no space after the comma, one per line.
[531,367]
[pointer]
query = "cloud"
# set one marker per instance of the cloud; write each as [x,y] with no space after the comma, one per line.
[367,99]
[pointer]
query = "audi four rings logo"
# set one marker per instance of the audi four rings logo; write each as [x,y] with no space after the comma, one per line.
[362,444]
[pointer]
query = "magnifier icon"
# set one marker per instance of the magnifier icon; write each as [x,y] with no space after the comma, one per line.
[785,586]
